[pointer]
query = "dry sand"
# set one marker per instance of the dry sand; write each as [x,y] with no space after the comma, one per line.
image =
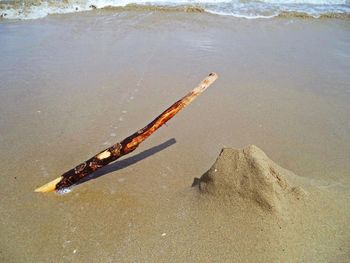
[72,85]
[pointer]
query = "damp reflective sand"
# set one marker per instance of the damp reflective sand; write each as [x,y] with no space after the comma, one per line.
[71,85]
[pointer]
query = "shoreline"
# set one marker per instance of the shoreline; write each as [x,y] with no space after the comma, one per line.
[28,13]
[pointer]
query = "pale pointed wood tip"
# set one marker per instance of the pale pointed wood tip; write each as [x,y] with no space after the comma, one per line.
[49,187]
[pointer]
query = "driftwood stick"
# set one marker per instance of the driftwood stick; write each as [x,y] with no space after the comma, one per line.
[127,145]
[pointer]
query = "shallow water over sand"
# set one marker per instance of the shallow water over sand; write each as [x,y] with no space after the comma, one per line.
[72,85]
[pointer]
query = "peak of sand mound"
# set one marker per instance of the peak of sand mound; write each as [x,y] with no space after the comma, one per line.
[248,174]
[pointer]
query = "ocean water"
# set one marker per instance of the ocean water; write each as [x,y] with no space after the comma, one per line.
[249,9]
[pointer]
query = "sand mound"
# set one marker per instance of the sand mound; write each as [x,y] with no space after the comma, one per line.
[248,174]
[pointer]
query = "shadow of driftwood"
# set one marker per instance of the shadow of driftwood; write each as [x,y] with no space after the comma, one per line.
[118,165]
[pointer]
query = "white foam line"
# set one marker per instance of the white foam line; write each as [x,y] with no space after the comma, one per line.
[240,16]
[310,2]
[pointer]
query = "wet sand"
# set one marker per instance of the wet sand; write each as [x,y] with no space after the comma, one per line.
[72,85]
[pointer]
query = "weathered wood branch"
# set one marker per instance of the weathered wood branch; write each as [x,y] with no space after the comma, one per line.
[127,145]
